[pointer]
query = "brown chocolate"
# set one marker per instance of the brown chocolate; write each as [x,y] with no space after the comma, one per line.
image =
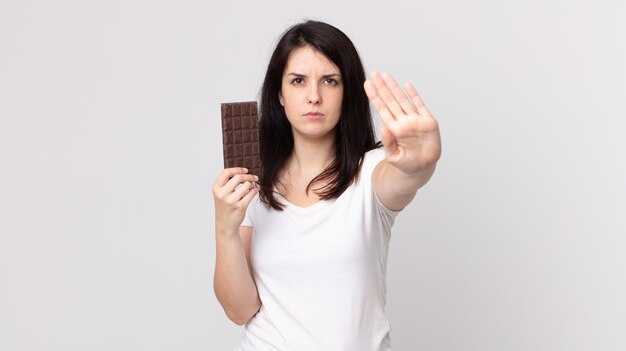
[240,136]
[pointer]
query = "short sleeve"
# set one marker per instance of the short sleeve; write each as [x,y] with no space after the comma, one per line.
[371,159]
[248,219]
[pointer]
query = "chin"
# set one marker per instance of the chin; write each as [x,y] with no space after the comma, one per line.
[317,134]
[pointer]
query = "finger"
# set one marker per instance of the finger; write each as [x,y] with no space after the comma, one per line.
[241,191]
[228,173]
[386,95]
[405,103]
[389,141]
[417,100]
[378,103]
[247,198]
[238,179]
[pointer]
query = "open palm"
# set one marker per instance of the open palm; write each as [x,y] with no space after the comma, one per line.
[409,132]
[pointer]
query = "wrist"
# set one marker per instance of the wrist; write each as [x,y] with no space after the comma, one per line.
[414,172]
[424,170]
[226,232]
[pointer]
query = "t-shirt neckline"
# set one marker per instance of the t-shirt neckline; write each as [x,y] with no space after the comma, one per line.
[319,203]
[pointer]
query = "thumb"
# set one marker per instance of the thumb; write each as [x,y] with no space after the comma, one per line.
[389,141]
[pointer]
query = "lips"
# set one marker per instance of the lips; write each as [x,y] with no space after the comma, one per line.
[314,114]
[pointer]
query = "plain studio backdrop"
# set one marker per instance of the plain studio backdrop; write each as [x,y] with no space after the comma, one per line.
[110,141]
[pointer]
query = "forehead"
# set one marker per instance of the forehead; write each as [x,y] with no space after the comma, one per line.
[305,60]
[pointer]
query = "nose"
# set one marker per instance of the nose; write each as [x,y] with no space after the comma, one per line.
[314,95]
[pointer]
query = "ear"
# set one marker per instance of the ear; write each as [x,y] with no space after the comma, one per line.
[280,98]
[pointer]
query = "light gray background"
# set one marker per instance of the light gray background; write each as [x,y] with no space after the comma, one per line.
[110,142]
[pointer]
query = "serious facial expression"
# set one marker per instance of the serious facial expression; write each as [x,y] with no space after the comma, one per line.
[311,93]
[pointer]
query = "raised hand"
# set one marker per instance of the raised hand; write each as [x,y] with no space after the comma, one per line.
[409,132]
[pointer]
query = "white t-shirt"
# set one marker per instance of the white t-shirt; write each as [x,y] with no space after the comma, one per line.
[321,271]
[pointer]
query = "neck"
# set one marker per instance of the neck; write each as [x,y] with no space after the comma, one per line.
[310,157]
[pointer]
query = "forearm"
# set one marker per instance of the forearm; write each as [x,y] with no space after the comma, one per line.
[233,282]
[395,188]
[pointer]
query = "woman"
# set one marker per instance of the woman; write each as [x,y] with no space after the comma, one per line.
[303,264]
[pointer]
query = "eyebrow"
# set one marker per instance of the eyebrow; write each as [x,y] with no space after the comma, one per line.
[324,76]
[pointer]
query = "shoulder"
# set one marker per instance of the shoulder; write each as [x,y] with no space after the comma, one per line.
[371,159]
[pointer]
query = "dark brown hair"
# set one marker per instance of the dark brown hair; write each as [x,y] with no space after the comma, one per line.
[354,133]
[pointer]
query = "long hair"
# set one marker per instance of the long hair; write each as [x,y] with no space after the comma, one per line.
[354,133]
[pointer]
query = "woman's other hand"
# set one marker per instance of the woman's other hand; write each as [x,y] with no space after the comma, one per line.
[233,191]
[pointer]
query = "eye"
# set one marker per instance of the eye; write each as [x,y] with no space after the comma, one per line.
[297,81]
[331,81]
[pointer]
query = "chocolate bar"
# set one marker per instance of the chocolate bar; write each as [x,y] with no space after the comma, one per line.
[240,136]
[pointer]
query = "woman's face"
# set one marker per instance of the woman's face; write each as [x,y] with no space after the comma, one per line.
[311,93]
